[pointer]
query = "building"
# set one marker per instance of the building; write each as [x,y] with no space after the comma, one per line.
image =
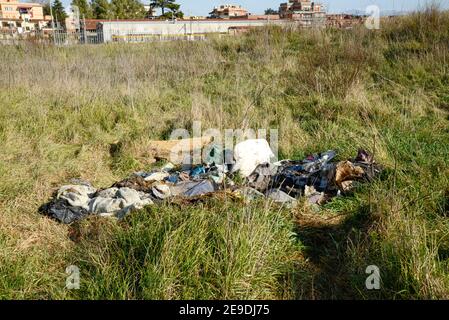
[72,22]
[194,18]
[269,17]
[307,12]
[22,17]
[227,11]
[151,30]
[344,21]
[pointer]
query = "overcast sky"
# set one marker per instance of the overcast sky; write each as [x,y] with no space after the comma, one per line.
[203,7]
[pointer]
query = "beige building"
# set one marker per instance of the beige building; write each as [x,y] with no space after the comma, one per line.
[15,15]
[308,13]
[227,11]
[194,18]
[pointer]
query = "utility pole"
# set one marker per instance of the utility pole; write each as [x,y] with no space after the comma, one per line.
[84,29]
[52,22]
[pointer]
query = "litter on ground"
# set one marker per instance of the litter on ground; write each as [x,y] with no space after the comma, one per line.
[318,178]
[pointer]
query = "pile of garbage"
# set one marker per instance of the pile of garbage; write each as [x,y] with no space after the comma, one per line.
[248,172]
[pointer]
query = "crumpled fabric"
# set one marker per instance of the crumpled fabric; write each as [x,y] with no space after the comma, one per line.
[316,162]
[76,195]
[193,188]
[201,188]
[118,201]
[61,210]
[261,178]
[316,170]
[326,179]
[75,202]
[316,177]
[161,191]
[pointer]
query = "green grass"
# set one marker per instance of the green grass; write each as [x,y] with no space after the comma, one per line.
[200,253]
[386,90]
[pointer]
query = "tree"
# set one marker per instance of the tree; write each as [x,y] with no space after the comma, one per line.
[163,4]
[46,9]
[150,12]
[84,7]
[101,9]
[174,11]
[170,5]
[128,9]
[59,13]
[271,11]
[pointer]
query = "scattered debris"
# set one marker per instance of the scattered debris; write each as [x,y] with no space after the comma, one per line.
[317,178]
[249,154]
[281,197]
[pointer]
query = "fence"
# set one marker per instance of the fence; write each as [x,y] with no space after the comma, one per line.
[139,38]
[138,32]
[57,37]
[82,37]
[63,38]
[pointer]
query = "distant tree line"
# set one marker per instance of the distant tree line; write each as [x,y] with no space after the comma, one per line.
[164,5]
[271,11]
[114,9]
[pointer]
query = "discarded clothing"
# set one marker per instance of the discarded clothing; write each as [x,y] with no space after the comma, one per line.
[317,178]
[261,178]
[317,162]
[198,171]
[161,191]
[76,195]
[118,202]
[192,189]
[327,178]
[75,202]
[62,211]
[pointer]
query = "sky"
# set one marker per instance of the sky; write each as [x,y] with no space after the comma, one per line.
[203,7]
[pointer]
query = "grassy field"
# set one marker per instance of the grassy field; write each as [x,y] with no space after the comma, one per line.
[386,91]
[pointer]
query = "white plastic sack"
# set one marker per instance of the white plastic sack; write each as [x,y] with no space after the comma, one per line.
[250,153]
